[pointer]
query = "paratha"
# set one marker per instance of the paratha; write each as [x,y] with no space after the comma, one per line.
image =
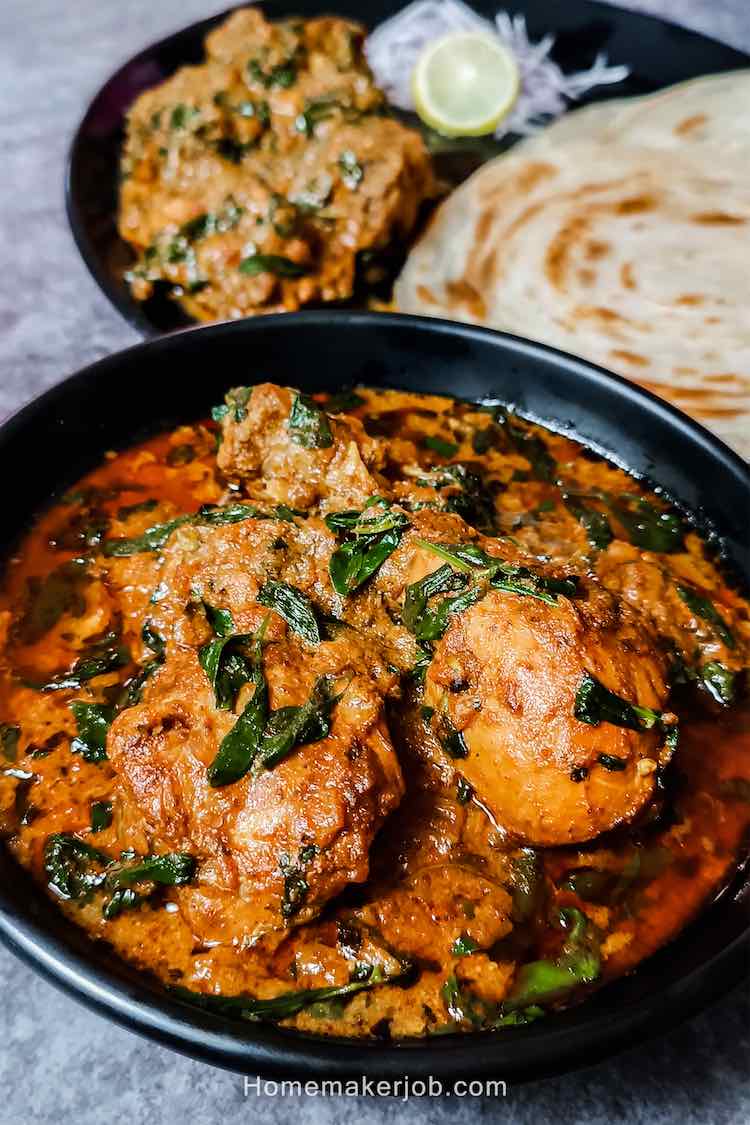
[608,248]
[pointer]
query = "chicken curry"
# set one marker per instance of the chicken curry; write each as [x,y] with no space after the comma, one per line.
[270,176]
[372,714]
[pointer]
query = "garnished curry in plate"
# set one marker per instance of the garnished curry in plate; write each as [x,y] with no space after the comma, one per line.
[376,714]
[271,176]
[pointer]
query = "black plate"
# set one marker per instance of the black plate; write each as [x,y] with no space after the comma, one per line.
[176,379]
[657,52]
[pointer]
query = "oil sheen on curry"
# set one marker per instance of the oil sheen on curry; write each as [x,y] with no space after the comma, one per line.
[375,714]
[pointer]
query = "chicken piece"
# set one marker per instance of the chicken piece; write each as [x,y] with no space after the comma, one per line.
[285,449]
[673,593]
[506,675]
[290,836]
[275,845]
[424,915]
[253,182]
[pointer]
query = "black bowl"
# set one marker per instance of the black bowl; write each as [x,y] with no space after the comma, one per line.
[176,378]
[658,54]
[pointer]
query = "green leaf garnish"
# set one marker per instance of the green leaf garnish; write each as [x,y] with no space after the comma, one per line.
[105,656]
[223,659]
[152,539]
[294,726]
[68,865]
[464,945]
[451,739]
[579,962]
[352,172]
[171,869]
[48,599]
[368,542]
[595,524]
[464,791]
[341,401]
[92,721]
[595,704]
[240,747]
[288,1003]
[75,870]
[529,445]
[309,425]
[101,815]
[704,608]
[440,445]
[210,515]
[295,608]
[718,681]
[283,74]
[276,264]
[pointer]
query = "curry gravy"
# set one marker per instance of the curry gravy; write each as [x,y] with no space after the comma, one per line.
[303,798]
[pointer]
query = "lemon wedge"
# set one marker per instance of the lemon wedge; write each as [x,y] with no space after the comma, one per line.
[465,84]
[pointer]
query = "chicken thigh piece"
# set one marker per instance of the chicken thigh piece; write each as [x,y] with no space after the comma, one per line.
[275,845]
[505,684]
[281,446]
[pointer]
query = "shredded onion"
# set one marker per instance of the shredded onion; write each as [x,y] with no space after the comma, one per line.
[394,47]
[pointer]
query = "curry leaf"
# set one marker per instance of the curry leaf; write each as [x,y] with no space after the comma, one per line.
[101,815]
[718,681]
[595,524]
[295,608]
[579,963]
[171,869]
[451,739]
[369,541]
[292,726]
[68,865]
[276,264]
[309,425]
[240,747]
[92,722]
[133,688]
[705,609]
[56,595]
[123,899]
[421,622]
[343,400]
[464,945]
[287,1004]
[152,539]
[105,656]
[440,445]
[647,526]
[595,704]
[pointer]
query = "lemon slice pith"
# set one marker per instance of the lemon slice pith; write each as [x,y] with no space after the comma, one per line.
[465,84]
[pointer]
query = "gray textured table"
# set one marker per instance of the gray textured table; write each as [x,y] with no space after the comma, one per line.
[59,1063]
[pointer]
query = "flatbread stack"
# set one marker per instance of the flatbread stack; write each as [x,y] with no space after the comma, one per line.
[621,233]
